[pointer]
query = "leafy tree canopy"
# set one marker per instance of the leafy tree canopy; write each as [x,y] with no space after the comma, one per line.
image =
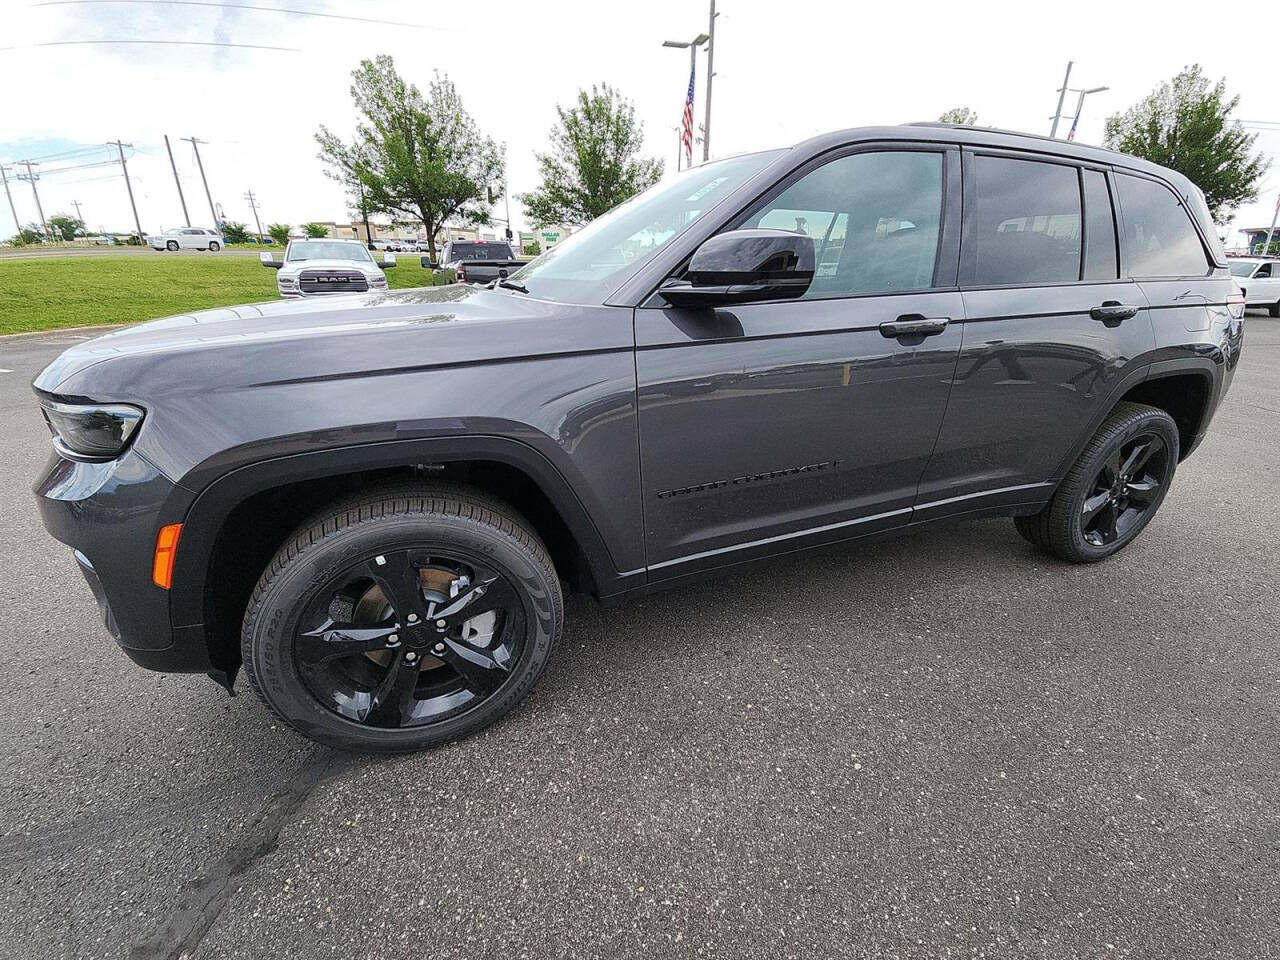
[315,230]
[234,232]
[594,162]
[279,232]
[416,156]
[1186,125]
[66,226]
[960,115]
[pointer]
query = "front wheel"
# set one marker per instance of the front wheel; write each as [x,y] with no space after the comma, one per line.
[403,619]
[214,246]
[1112,491]
[171,245]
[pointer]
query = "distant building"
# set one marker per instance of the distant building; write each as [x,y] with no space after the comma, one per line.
[544,238]
[1255,237]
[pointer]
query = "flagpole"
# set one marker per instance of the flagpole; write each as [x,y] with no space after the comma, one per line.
[1275,216]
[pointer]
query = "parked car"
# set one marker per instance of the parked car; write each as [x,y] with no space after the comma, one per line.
[477,261]
[373,505]
[315,268]
[1259,279]
[187,238]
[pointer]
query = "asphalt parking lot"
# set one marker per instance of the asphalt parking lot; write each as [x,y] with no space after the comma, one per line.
[941,745]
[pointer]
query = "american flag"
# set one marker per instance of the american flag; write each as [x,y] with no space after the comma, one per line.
[686,132]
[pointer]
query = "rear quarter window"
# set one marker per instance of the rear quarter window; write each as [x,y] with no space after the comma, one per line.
[1159,239]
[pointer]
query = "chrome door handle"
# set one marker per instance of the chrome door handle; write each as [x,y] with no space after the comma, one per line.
[914,325]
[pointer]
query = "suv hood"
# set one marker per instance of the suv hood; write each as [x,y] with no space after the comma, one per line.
[360,334]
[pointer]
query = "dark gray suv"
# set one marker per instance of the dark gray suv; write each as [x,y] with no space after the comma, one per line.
[373,502]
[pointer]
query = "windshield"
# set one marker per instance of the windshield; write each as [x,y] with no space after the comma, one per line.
[480,251]
[587,265]
[1241,268]
[327,250]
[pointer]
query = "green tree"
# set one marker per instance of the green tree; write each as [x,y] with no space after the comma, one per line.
[961,115]
[66,226]
[315,230]
[279,232]
[419,158]
[234,232]
[31,233]
[594,162]
[1185,124]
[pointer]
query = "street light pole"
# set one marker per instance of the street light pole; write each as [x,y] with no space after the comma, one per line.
[1062,95]
[1071,134]
[693,46]
[711,50]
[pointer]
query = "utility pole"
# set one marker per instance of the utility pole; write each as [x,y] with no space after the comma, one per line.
[1266,244]
[711,50]
[32,178]
[1062,95]
[79,216]
[4,176]
[248,195]
[128,186]
[208,196]
[181,199]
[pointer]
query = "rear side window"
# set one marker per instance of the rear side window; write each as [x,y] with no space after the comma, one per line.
[1158,236]
[1024,222]
[1100,256]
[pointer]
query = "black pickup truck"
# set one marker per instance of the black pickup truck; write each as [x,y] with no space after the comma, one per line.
[481,261]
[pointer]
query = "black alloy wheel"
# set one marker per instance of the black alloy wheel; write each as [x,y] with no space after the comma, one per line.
[1113,489]
[409,637]
[1130,481]
[402,618]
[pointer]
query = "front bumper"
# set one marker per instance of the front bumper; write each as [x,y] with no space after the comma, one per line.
[110,514]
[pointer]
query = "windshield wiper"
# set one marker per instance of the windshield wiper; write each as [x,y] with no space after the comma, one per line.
[512,285]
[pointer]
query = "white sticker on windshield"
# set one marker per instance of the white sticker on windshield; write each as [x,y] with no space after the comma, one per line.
[698,195]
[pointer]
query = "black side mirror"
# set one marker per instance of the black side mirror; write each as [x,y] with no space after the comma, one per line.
[267,260]
[429,264]
[742,266]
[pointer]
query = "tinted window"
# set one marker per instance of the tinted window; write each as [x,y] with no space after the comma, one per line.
[1100,258]
[481,251]
[873,217]
[1024,222]
[1159,238]
[1264,270]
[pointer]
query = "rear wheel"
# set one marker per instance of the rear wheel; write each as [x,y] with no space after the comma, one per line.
[214,246]
[402,620]
[1274,309]
[1112,491]
[171,245]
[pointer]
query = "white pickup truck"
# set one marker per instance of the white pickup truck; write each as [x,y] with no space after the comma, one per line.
[1259,278]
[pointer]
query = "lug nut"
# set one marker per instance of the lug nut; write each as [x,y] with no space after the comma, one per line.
[440,624]
[393,640]
[413,618]
[411,656]
[438,648]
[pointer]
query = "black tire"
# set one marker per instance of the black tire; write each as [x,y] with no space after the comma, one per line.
[454,525]
[1274,309]
[214,246]
[1072,526]
[171,245]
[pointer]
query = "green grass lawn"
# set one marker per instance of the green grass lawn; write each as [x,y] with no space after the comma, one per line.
[51,292]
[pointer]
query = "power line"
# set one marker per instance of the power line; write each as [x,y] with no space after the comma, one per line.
[246,6]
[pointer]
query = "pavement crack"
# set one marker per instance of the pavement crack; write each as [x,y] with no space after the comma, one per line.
[181,932]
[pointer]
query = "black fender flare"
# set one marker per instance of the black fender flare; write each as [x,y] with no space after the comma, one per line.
[215,501]
[1156,370]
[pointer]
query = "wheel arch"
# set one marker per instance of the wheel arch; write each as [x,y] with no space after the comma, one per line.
[238,521]
[1156,384]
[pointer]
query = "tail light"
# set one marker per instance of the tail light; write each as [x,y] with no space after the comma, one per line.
[462,274]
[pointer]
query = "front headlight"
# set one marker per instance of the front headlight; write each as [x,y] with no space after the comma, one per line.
[96,431]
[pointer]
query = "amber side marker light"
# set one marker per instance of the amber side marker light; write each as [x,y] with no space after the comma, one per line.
[166,551]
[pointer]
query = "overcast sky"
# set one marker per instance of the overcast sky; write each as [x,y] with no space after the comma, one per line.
[784,70]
